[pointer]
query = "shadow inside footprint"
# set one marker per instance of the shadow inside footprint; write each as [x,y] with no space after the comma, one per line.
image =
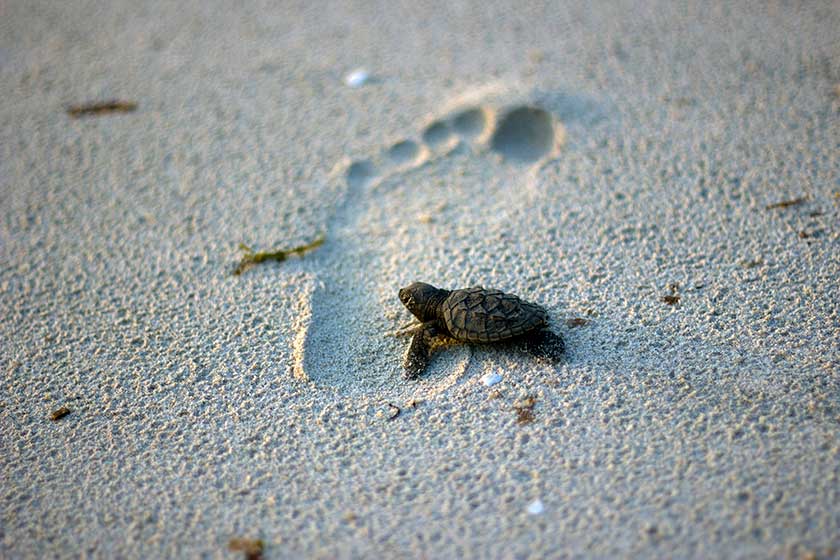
[437,134]
[359,174]
[469,123]
[404,152]
[525,134]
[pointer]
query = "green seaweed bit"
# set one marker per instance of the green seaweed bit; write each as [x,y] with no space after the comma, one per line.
[525,410]
[524,416]
[105,107]
[250,258]
[752,263]
[787,203]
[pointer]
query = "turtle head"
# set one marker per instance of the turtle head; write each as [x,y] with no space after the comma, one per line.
[422,300]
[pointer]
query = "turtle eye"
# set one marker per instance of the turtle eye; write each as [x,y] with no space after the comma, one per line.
[405,297]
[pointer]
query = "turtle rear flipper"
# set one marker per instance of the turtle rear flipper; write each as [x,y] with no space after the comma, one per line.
[543,344]
[419,352]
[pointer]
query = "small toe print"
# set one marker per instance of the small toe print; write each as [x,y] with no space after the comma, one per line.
[437,134]
[360,173]
[470,123]
[404,152]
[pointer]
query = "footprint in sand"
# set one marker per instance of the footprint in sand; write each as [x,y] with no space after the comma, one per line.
[411,212]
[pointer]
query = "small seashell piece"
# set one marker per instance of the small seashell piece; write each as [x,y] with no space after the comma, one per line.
[536,507]
[357,78]
[491,379]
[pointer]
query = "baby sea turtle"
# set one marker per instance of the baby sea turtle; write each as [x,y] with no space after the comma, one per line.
[475,315]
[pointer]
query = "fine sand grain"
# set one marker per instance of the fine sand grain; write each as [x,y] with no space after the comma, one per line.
[663,177]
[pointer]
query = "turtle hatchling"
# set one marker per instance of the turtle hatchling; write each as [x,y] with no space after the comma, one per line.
[477,315]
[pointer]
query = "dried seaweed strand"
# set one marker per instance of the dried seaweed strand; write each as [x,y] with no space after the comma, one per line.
[96,109]
[787,203]
[250,258]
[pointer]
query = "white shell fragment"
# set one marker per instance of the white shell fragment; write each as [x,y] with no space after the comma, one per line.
[357,78]
[536,507]
[491,379]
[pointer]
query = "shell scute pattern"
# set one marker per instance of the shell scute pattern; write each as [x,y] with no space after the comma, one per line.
[479,315]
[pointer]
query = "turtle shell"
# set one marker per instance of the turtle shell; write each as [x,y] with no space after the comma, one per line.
[479,315]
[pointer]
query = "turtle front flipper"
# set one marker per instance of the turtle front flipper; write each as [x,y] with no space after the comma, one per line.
[543,344]
[419,352]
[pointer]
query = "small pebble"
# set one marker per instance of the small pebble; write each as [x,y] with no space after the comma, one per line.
[60,413]
[491,379]
[357,78]
[252,548]
[536,507]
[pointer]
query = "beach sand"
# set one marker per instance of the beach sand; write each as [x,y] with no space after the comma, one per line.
[663,177]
